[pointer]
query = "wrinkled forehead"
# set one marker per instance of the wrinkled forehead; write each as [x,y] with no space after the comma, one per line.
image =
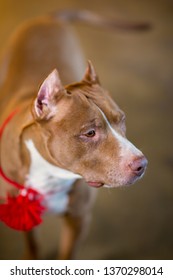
[96,97]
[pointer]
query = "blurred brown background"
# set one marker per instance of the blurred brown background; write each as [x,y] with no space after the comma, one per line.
[135,222]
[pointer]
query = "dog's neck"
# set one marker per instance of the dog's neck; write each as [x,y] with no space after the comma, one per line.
[51,181]
[21,127]
[10,162]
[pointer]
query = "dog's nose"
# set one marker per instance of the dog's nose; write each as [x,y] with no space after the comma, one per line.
[138,165]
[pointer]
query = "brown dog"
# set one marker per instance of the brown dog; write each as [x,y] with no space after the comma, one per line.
[63,138]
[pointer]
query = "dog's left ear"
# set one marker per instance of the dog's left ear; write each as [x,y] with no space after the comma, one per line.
[90,74]
[51,90]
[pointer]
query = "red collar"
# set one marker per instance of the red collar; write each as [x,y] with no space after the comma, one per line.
[2,174]
[24,211]
[8,119]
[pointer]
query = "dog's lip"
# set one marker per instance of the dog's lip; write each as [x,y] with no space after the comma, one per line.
[95,184]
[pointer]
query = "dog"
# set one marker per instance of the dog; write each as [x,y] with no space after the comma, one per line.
[67,138]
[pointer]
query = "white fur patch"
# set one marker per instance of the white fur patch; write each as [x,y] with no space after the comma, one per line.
[51,181]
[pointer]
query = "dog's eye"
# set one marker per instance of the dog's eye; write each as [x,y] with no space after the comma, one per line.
[90,133]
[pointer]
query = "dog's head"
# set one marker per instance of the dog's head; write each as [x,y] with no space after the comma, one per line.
[86,130]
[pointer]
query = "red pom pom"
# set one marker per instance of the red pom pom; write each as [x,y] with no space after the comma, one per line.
[24,211]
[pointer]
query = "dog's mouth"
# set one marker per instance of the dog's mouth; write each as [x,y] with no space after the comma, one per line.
[95,184]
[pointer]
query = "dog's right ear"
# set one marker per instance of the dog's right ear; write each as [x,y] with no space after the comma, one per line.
[49,93]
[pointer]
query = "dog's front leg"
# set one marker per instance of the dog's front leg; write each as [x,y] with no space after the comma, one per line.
[31,246]
[73,232]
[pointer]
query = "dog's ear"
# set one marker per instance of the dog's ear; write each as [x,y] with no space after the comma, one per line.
[90,74]
[50,91]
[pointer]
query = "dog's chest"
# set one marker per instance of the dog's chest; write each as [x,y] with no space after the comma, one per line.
[53,182]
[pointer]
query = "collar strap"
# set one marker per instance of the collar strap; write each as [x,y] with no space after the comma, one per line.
[8,119]
[24,211]
[2,174]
